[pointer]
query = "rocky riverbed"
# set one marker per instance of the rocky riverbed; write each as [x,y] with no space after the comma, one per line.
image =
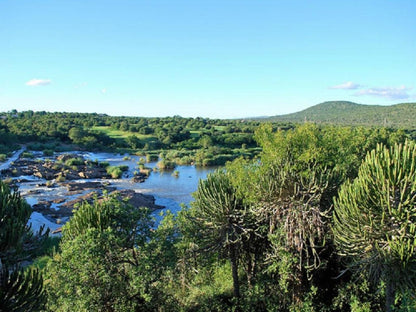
[55,185]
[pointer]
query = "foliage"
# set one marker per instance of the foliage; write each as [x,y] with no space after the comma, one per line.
[399,116]
[125,134]
[258,236]
[166,164]
[223,223]
[89,275]
[27,155]
[14,214]
[131,224]
[116,171]
[96,269]
[74,161]
[375,219]
[21,290]
[290,190]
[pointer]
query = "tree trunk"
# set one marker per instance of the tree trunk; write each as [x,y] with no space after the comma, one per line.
[234,271]
[390,296]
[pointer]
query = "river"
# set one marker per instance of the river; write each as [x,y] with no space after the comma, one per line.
[169,190]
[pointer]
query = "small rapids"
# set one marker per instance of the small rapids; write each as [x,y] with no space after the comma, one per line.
[169,191]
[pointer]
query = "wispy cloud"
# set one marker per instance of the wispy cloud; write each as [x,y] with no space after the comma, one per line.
[392,93]
[103,91]
[38,82]
[349,85]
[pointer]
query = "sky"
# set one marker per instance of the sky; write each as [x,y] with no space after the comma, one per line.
[207,58]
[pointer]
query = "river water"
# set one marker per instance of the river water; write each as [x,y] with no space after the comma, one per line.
[169,190]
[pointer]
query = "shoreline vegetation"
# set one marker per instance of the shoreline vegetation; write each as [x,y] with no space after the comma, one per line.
[175,140]
[300,217]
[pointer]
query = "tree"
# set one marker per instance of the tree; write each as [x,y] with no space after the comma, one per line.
[291,189]
[221,218]
[76,134]
[19,290]
[375,219]
[97,268]
[14,214]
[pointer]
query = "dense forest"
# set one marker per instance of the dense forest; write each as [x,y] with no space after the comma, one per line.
[301,218]
[201,141]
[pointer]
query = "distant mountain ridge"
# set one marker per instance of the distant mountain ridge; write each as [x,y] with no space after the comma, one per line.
[348,113]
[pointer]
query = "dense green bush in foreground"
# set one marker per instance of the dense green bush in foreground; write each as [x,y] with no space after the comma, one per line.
[278,233]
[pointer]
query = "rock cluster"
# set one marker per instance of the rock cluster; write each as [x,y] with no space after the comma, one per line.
[74,172]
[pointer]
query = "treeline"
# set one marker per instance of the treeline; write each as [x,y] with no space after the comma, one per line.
[221,140]
[398,116]
[323,220]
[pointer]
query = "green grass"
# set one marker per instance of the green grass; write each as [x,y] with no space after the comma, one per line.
[119,134]
[195,133]
[219,128]
[112,133]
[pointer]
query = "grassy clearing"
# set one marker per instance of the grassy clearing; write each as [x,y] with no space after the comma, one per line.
[219,128]
[112,133]
[119,134]
[195,133]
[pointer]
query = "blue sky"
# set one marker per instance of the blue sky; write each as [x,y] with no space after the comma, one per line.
[217,59]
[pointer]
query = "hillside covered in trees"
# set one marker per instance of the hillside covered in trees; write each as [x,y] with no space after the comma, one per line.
[323,219]
[399,116]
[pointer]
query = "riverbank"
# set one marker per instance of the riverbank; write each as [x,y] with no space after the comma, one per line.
[53,201]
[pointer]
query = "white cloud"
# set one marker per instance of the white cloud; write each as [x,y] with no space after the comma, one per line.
[387,92]
[104,90]
[349,85]
[38,82]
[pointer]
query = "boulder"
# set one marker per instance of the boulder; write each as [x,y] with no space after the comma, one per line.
[81,186]
[138,199]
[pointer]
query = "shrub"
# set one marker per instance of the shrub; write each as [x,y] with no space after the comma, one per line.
[151,157]
[74,162]
[116,171]
[166,164]
[27,155]
[185,160]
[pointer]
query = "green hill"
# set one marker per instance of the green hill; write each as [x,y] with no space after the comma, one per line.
[349,113]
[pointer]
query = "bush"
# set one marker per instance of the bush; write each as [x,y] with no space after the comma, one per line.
[27,155]
[166,164]
[151,157]
[74,162]
[116,171]
[185,160]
